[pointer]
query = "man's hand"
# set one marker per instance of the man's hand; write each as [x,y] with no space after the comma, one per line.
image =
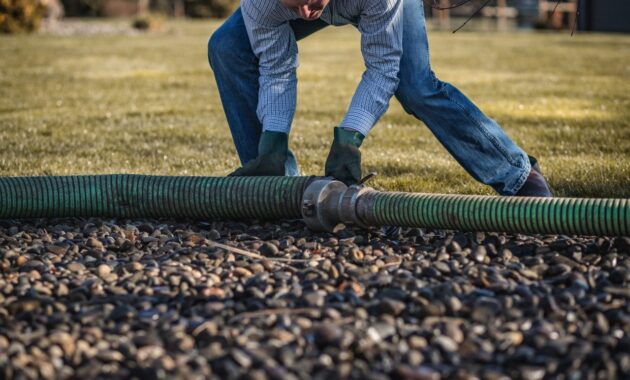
[273,149]
[344,160]
[263,165]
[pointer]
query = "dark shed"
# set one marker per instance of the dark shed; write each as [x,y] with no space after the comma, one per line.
[605,15]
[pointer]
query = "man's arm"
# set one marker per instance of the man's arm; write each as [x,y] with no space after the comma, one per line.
[274,44]
[380,25]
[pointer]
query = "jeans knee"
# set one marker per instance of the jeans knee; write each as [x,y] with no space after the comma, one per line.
[221,46]
[214,47]
[418,93]
[231,46]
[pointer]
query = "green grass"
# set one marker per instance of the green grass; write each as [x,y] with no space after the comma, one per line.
[148,104]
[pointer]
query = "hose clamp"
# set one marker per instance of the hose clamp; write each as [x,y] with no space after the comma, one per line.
[347,207]
[328,202]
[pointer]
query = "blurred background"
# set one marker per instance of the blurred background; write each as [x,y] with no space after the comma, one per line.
[592,15]
[124,86]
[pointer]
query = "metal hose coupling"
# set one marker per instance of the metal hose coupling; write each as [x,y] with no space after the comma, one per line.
[327,202]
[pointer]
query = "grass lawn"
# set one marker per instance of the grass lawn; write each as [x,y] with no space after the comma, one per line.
[148,104]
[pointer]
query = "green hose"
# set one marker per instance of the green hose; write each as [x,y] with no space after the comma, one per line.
[322,203]
[580,216]
[136,196]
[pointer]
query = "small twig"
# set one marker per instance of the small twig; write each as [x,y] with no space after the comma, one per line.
[575,16]
[393,264]
[556,7]
[472,15]
[435,6]
[439,8]
[575,19]
[253,255]
[268,312]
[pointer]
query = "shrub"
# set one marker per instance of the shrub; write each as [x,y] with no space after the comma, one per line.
[82,8]
[18,16]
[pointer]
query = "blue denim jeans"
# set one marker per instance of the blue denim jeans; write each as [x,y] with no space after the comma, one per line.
[477,142]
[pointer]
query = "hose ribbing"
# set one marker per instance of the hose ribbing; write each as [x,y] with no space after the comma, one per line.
[131,196]
[580,216]
[138,196]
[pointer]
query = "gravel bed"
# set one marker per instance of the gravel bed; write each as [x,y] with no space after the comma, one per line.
[158,299]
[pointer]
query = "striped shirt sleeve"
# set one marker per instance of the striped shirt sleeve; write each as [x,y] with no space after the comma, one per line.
[273,42]
[380,25]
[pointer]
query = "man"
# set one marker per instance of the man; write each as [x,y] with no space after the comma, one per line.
[254,59]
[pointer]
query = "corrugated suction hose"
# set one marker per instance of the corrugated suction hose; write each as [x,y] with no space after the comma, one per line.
[323,203]
[136,196]
[327,203]
[506,214]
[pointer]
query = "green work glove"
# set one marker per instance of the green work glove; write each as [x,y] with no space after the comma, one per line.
[344,160]
[273,148]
